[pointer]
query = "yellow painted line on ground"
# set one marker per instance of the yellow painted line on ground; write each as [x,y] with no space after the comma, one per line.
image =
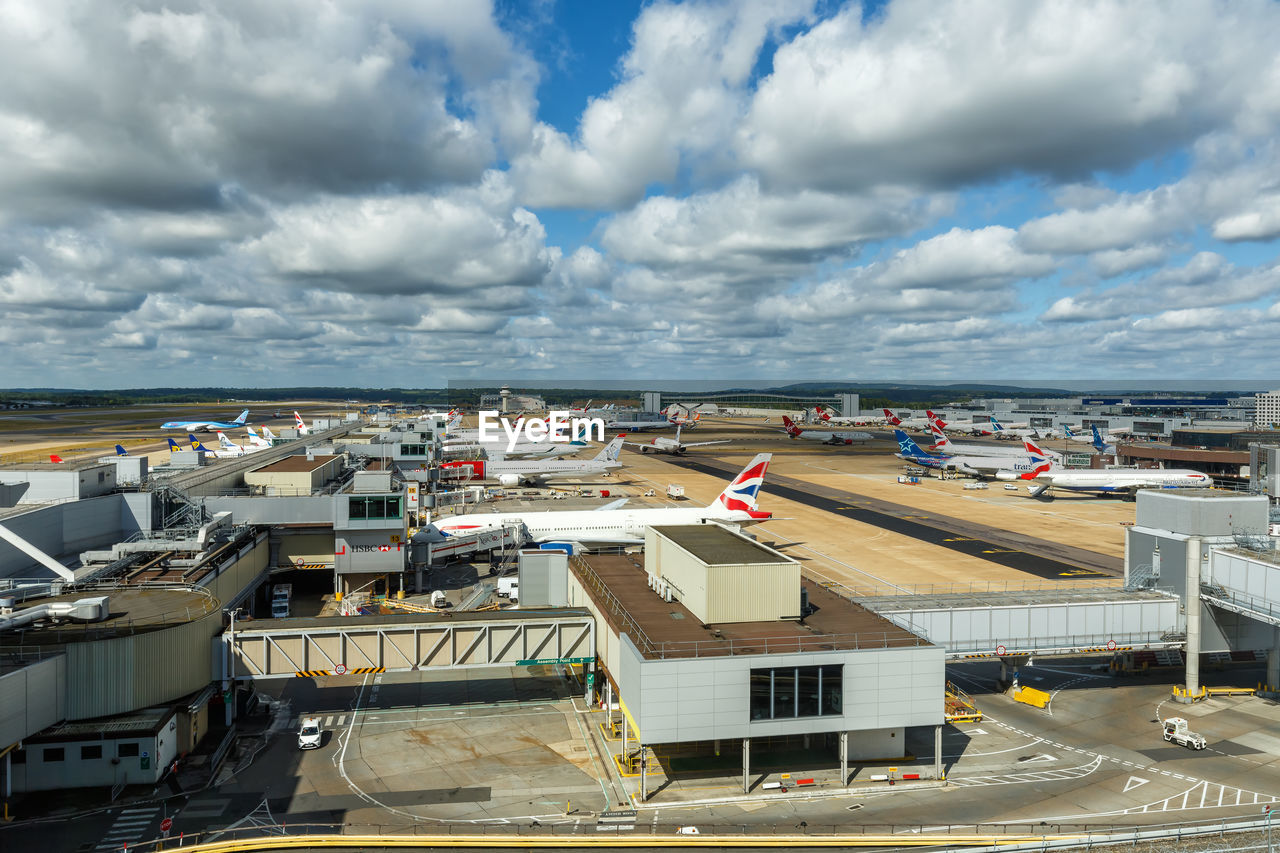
[375,842]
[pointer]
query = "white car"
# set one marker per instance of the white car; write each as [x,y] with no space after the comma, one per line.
[309,733]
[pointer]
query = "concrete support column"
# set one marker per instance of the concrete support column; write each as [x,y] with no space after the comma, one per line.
[746,765]
[644,779]
[1273,661]
[624,737]
[1193,615]
[844,758]
[937,752]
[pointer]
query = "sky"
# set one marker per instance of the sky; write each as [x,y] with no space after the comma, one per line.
[400,193]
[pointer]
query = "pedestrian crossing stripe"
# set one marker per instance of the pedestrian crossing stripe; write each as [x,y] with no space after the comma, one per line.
[311,673]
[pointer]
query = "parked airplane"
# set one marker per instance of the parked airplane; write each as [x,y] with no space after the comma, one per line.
[910,423]
[120,451]
[207,426]
[822,435]
[534,472]
[268,434]
[827,416]
[911,452]
[641,426]
[302,427]
[662,444]
[943,444]
[500,448]
[256,440]
[576,528]
[1012,431]
[55,458]
[1126,481]
[173,445]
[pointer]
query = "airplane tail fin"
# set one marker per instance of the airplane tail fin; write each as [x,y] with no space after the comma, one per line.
[1098,444]
[1036,471]
[302,427]
[244,416]
[53,457]
[995,425]
[744,491]
[267,433]
[120,451]
[907,445]
[822,413]
[790,425]
[891,417]
[195,443]
[224,441]
[609,453]
[173,445]
[940,440]
[934,419]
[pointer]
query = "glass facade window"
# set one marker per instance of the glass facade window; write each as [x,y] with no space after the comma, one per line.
[362,508]
[413,450]
[788,692]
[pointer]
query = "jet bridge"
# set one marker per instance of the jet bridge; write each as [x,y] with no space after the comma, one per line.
[336,646]
[1055,621]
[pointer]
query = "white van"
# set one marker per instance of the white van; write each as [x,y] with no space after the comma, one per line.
[309,733]
[509,588]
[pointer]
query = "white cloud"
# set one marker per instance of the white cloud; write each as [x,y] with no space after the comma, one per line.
[952,93]
[682,91]
[461,240]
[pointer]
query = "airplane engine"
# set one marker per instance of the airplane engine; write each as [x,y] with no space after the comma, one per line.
[848,441]
[1008,475]
[509,480]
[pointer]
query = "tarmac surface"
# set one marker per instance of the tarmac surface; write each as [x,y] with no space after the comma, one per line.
[1024,553]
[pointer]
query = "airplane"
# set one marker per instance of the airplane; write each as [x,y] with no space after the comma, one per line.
[534,472]
[173,446]
[1100,445]
[1125,481]
[256,440]
[825,415]
[641,426]
[910,423]
[196,445]
[662,444]
[685,420]
[991,466]
[120,451]
[1013,431]
[500,448]
[945,445]
[207,426]
[268,434]
[576,528]
[822,435]
[302,427]
[53,457]
[911,452]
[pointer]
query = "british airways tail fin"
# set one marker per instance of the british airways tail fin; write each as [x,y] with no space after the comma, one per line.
[940,440]
[744,491]
[302,427]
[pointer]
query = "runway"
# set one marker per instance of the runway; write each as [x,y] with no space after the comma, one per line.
[1039,557]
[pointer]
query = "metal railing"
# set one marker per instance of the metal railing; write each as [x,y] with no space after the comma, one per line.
[1263,609]
[1169,638]
[1007,836]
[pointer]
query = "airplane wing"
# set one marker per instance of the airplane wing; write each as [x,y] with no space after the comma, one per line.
[705,443]
[612,505]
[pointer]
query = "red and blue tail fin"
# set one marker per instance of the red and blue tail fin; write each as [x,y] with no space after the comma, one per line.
[744,491]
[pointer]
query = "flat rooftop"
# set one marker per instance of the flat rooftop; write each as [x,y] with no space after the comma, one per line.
[133,610]
[294,465]
[662,629]
[716,546]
